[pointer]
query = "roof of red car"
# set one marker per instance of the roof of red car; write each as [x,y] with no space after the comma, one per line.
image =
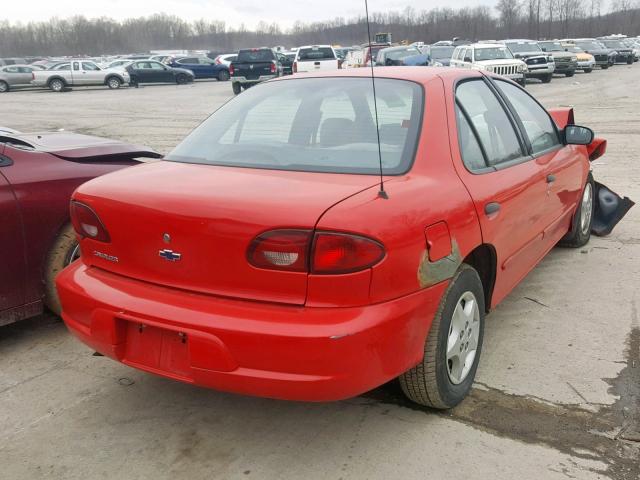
[416,74]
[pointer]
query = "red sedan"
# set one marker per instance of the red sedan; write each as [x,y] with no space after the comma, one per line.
[38,174]
[263,256]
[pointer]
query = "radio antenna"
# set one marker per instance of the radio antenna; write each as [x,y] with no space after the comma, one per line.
[382,193]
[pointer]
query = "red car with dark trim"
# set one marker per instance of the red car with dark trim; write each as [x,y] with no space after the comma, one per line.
[38,174]
[261,256]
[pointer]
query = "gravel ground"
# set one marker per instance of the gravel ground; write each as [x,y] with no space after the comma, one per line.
[557,392]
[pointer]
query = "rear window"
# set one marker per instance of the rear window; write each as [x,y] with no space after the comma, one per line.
[255,56]
[312,125]
[316,53]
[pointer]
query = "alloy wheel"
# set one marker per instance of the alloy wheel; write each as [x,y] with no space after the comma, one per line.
[462,342]
[586,209]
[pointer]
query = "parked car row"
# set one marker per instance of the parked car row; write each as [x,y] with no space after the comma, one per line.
[518,59]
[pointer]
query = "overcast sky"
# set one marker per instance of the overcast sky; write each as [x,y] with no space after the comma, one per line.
[233,12]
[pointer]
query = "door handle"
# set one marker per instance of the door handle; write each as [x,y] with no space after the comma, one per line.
[491,208]
[551,178]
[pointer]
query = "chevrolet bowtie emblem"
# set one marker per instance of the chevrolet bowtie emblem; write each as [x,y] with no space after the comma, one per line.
[170,255]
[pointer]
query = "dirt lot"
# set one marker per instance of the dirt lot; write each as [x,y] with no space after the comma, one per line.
[557,393]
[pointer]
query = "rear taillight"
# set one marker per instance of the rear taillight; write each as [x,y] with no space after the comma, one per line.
[231,70]
[281,250]
[273,67]
[295,67]
[217,60]
[33,76]
[335,253]
[87,224]
[325,253]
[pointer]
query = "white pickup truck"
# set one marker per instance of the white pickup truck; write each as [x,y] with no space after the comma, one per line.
[79,73]
[315,57]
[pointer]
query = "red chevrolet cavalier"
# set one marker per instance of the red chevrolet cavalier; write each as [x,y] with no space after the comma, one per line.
[261,256]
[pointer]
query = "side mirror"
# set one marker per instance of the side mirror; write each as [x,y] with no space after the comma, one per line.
[575,135]
[467,59]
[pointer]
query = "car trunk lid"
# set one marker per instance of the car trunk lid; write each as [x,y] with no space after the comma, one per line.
[189,226]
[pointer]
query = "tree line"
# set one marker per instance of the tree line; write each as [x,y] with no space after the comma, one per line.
[510,18]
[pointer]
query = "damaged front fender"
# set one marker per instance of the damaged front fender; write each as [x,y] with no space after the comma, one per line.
[609,209]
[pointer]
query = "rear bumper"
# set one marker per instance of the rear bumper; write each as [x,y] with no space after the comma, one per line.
[254,348]
[261,78]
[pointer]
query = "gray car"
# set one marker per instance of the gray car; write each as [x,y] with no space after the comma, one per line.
[12,76]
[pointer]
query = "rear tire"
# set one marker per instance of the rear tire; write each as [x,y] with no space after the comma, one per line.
[445,375]
[181,79]
[237,88]
[4,86]
[223,76]
[113,83]
[65,250]
[57,85]
[581,224]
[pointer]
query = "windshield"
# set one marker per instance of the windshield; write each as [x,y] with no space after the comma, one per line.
[497,53]
[255,55]
[312,125]
[441,52]
[552,46]
[524,47]
[589,45]
[613,44]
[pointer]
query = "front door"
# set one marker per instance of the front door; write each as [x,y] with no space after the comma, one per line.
[12,261]
[507,185]
[564,167]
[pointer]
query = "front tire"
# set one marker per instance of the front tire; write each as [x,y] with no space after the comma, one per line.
[452,349]
[65,250]
[588,70]
[223,76]
[547,78]
[604,67]
[113,83]
[4,86]
[570,74]
[237,88]
[580,233]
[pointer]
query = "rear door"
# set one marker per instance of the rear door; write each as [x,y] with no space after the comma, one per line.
[12,260]
[143,71]
[506,184]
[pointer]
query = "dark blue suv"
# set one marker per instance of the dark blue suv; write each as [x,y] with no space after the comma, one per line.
[202,67]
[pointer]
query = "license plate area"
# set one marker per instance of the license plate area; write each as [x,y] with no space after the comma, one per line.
[158,349]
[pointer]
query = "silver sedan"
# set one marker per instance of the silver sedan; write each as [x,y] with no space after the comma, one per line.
[15,76]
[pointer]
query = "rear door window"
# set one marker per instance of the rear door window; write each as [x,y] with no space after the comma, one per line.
[315,125]
[491,122]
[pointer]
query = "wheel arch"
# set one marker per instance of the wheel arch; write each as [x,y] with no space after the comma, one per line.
[483,259]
